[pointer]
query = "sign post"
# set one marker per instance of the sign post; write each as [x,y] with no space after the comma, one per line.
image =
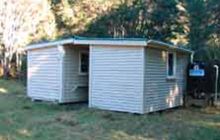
[216,83]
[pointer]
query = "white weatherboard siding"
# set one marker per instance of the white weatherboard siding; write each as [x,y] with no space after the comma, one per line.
[75,84]
[44,72]
[159,92]
[116,78]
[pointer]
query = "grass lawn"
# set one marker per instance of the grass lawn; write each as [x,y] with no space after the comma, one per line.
[21,119]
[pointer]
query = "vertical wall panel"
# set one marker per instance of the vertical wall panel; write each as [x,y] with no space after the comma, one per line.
[44,74]
[159,92]
[117,78]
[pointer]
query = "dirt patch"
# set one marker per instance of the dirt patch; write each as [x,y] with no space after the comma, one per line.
[26,107]
[67,120]
[211,110]
[109,116]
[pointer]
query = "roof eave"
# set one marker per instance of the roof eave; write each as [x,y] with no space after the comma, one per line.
[119,42]
[49,44]
[168,46]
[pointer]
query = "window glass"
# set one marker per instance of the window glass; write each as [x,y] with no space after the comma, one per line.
[171,64]
[84,63]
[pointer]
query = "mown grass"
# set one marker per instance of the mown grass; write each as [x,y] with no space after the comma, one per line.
[21,119]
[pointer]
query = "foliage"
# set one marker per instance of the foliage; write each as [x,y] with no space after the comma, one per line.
[211,51]
[140,18]
[204,28]
[194,23]
[72,17]
[18,21]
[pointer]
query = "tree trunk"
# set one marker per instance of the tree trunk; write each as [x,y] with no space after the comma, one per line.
[6,68]
[19,64]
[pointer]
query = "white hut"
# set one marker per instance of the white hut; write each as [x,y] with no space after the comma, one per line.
[130,74]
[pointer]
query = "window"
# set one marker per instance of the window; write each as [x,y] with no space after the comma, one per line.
[171,65]
[83,63]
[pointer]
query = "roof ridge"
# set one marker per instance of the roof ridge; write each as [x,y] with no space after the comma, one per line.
[110,38]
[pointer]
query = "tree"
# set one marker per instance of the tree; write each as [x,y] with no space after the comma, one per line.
[73,16]
[156,19]
[19,20]
[204,29]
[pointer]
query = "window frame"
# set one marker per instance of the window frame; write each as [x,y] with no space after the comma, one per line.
[80,63]
[174,65]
